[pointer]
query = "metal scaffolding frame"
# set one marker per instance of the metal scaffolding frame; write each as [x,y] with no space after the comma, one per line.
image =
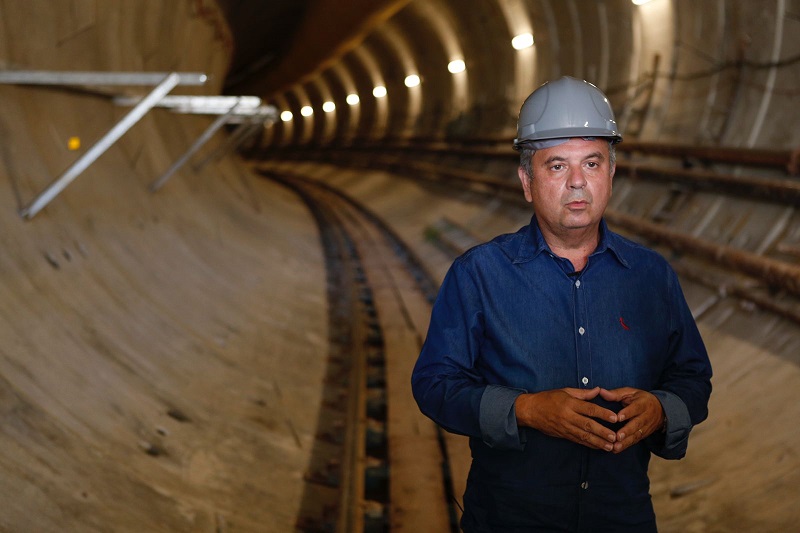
[247,111]
[204,138]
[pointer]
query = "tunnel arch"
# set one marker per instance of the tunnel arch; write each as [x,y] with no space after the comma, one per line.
[375,109]
[341,85]
[405,111]
[442,22]
[424,43]
[393,72]
[281,132]
[519,22]
[164,363]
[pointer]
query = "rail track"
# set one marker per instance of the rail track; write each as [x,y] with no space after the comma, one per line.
[378,464]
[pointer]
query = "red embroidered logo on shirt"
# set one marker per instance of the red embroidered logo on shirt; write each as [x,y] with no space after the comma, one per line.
[624,325]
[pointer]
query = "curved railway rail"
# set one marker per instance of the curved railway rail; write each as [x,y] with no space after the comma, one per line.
[377,464]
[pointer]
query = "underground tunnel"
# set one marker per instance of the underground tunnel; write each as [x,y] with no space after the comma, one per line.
[211,309]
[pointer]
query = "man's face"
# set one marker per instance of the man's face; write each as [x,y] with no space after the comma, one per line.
[571,185]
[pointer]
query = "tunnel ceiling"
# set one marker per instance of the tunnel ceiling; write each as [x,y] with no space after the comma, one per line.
[716,73]
[283,41]
[263,32]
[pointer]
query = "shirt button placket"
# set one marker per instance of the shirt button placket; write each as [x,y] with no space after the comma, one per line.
[583,356]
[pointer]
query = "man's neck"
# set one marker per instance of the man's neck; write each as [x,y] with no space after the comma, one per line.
[574,244]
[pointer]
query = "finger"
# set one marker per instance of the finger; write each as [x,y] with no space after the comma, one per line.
[633,409]
[617,395]
[595,411]
[593,435]
[642,404]
[628,436]
[629,430]
[583,394]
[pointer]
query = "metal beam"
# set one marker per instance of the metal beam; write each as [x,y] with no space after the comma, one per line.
[165,86]
[210,131]
[211,105]
[44,77]
[242,132]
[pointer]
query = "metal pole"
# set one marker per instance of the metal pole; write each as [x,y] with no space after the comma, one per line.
[101,146]
[45,77]
[242,132]
[254,129]
[212,129]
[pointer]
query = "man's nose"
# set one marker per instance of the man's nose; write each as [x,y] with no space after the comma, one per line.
[576,179]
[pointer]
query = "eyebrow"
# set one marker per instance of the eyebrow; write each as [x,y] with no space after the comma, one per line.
[593,155]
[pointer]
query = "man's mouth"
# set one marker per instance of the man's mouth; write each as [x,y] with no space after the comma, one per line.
[577,204]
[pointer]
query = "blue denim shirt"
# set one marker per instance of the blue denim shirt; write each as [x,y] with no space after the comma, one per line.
[512,317]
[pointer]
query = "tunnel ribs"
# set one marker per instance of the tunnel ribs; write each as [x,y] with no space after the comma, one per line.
[413,160]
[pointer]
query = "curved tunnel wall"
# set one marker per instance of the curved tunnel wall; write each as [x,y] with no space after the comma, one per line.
[142,364]
[162,350]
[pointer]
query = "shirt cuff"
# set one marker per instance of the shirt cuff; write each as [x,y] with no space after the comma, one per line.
[678,426]
[498,419]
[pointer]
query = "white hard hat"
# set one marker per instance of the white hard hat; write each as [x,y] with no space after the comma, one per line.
[565,108]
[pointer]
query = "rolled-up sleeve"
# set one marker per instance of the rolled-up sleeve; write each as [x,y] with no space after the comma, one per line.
[685,384]
[673,442]
[445,383]
[498,418]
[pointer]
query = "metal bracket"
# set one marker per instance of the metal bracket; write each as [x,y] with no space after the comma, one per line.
[164,83]
[246,111]
[243,131]
[204,138]
[100,147]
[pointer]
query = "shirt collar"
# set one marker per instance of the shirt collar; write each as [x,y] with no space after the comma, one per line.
[533,244]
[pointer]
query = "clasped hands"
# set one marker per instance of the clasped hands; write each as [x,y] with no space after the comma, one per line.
[568,413]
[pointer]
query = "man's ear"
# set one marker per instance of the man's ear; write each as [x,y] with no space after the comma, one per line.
[611,175]
[525,179]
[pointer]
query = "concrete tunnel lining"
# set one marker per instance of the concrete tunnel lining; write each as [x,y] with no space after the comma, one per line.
[164,352]
[148,337]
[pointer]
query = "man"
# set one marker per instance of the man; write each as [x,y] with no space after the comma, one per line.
[565,352]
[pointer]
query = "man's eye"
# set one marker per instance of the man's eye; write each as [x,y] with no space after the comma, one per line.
[592,164]
[557,167]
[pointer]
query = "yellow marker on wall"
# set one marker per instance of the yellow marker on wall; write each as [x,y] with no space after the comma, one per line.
[74,143]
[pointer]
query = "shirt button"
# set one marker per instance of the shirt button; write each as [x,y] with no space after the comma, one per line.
[581,330]
[578,284]
[585,380]
[585,485]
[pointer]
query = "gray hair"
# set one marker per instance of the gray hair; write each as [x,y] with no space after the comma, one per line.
[526,158]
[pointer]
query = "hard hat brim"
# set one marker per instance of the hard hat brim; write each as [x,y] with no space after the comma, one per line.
[569,133]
